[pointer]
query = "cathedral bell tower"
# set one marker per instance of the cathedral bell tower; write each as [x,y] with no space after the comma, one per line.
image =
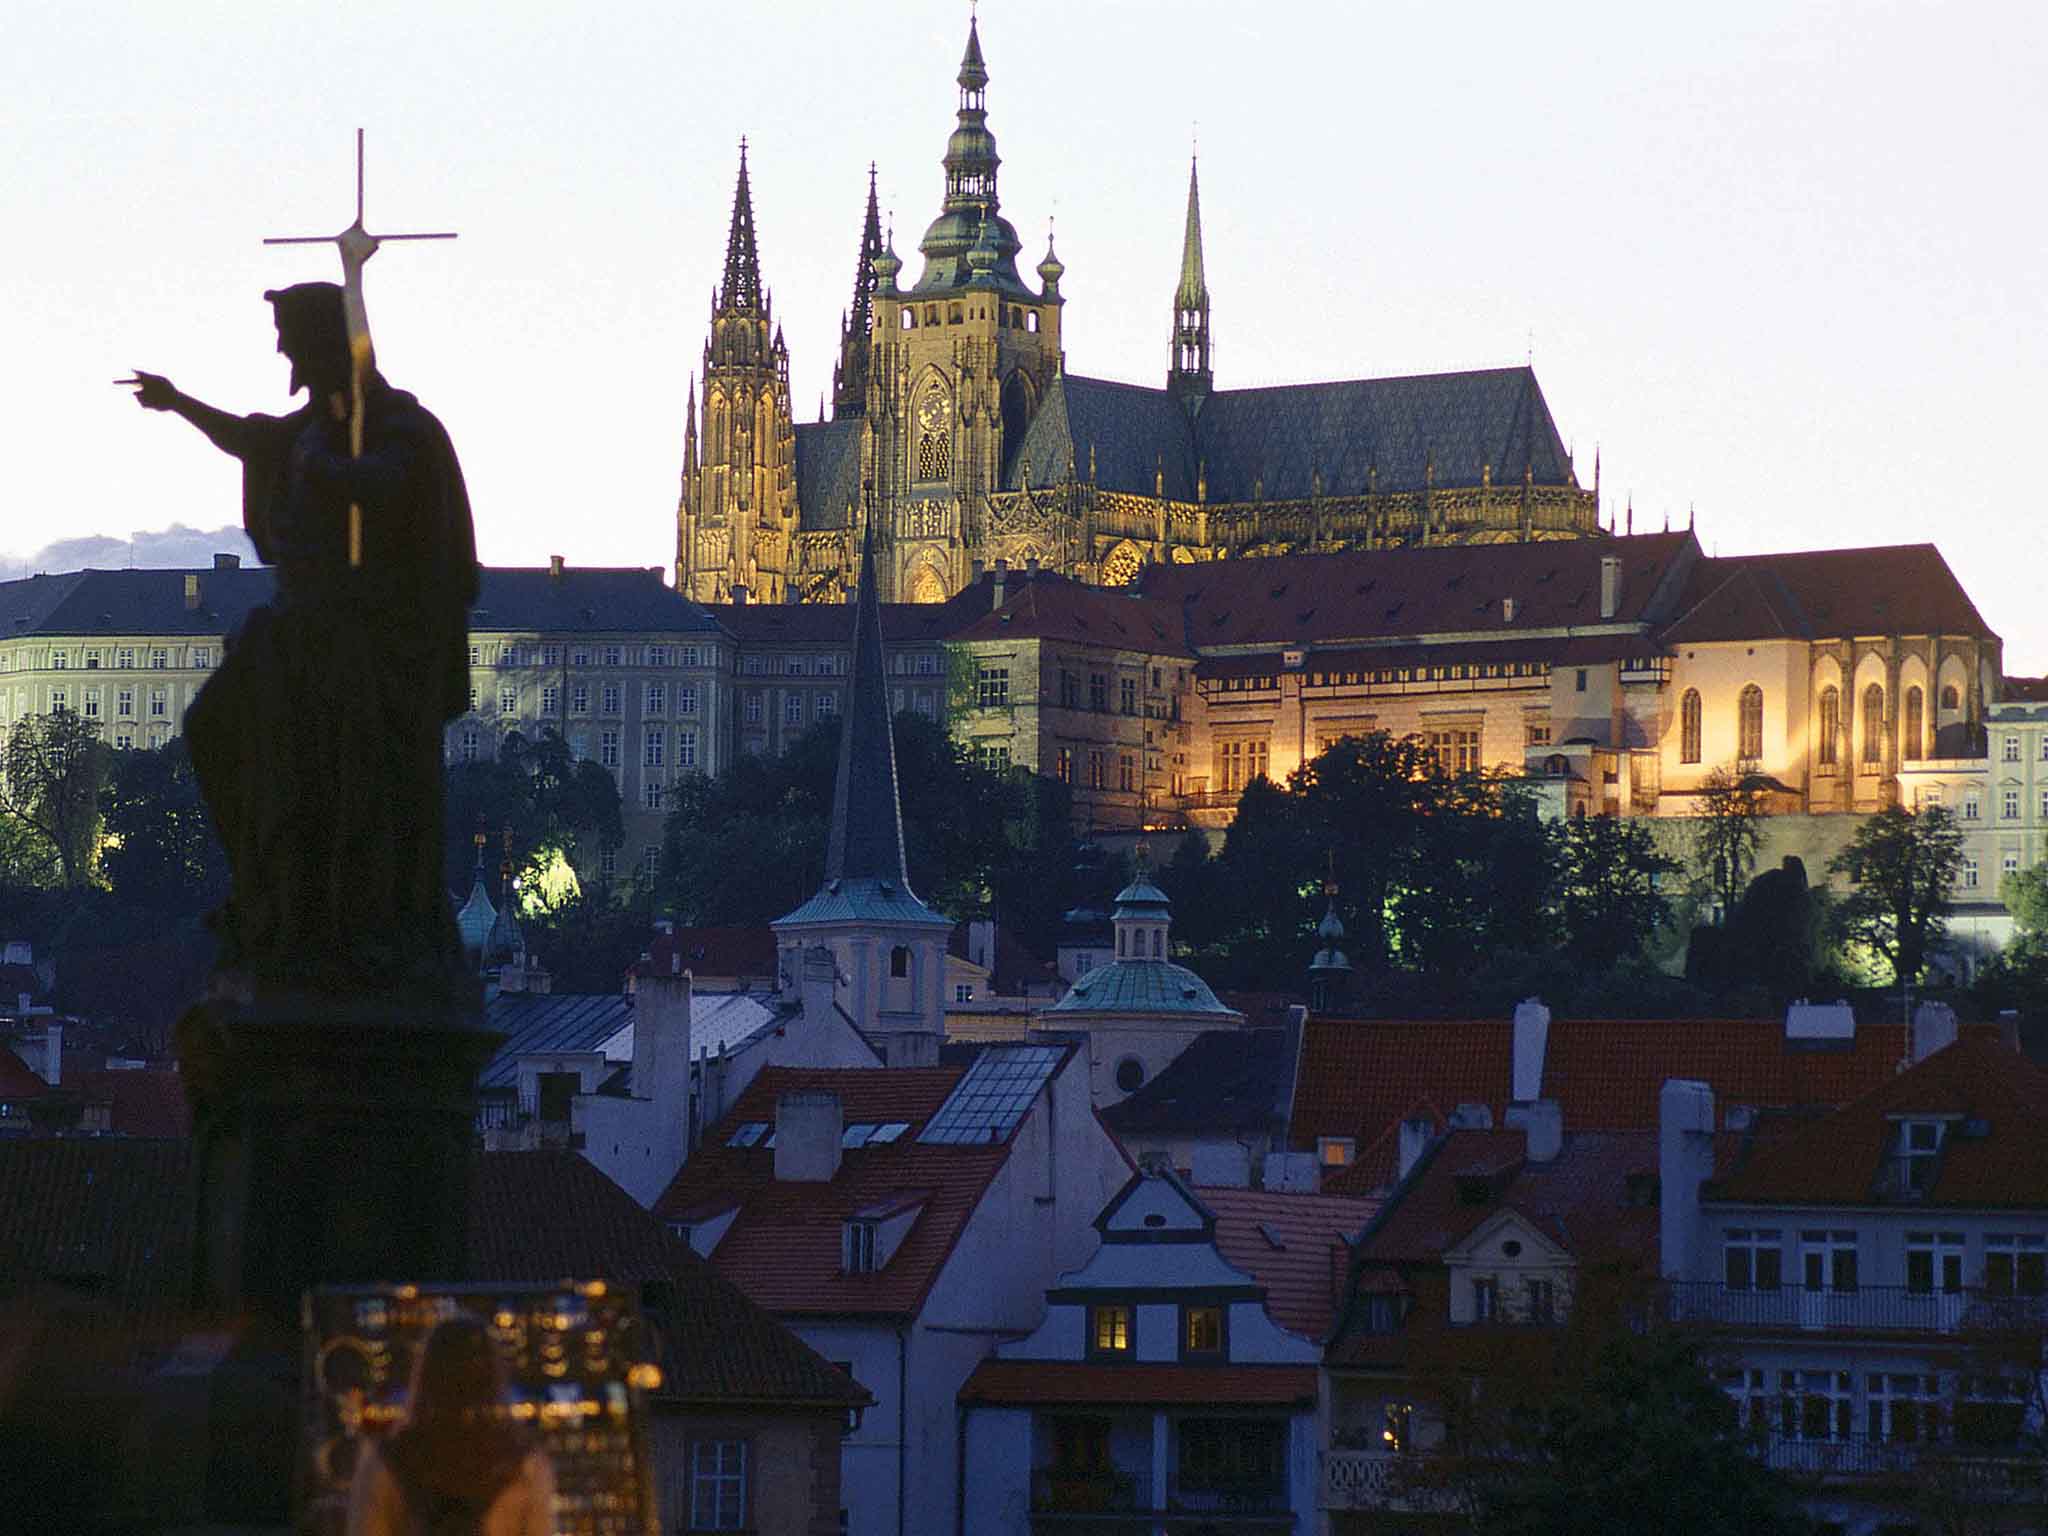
[957,365]
[736,524]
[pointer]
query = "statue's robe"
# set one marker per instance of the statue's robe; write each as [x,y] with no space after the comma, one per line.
[318,741]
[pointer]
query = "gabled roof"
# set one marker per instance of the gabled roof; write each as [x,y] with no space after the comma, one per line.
[1358,1078]
[533,1022]
[114,1215]
[1075,614]
[1903,589]
[1395,594]
[17,1080]
[1227,1082]
[1446,428]
[784,1248]
[1582,1200]
[1992,1153]
[1295,1245]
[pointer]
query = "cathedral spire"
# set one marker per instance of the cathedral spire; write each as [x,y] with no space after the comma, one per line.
[1188,376]
[741,289]
[866,838]
[850,373]
[971,163]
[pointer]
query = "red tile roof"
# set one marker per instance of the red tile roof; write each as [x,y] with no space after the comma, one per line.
[1838,1158]
[1904,589]
[784,1248]
[1450,589]
[736,950]
[1304,1276]
[1067,1381]
[142,1101]
[1359,1077]
[17,1081]
[1605,1074]
[2024,690]
[1082,615]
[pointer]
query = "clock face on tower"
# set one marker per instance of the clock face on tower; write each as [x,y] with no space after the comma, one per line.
[931,410]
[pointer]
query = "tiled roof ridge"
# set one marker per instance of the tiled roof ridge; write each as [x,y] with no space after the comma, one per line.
[1508,370]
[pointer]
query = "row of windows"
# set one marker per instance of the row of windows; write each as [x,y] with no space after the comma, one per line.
[119,658]
[1239,762]
[1012,317]
[1899,1407]
[92,701]
[654,699]
[1112,1331]
[515,653]
[655,747]
[1753,1259]
[1749,725]
[1970,804]
[2009,748]
[1097,765]
[825,705]
[1451,672]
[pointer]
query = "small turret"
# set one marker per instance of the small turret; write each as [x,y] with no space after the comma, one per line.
[887,265]
[1052,269]
[1189,377]
[1329,973]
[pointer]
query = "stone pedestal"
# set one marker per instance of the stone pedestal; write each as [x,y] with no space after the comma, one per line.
[333,1142]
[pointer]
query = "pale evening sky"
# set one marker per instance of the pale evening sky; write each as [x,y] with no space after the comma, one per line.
[1785,262]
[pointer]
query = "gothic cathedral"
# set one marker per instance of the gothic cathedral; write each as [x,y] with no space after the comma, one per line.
[958,433]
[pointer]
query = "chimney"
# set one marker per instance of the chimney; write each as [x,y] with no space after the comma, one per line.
[739,594]
[808,1128]
[1685,1160]
[53,1054]
[1820,1021]
[1001,581]
[191,590]
[981,944]
[1542,1122]
[978,568]
[1415,1135]
[227,562]
[1507,610]
[554,567]
[2009,1029]
[1532,1043]
[1934,1028]
[1610,586]
[1031,564]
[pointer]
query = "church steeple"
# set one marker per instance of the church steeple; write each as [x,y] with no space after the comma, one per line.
[741,289]
[1188,375]
[850,373]
[971,163]
[866,838]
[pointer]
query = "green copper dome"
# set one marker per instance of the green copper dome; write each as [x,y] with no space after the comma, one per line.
[1156,988]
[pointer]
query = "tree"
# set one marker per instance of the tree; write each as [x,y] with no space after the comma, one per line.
[1594,1427]
[1728,833]
[160,852]
[1903,868]
[54,766]
[553,804]
[2025,894]
[1608,904]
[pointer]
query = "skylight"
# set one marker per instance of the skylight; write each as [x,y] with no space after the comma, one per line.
[888,1132]
[994,1095]
[749,1134]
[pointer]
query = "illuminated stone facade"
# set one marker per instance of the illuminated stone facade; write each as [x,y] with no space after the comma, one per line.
[958,431]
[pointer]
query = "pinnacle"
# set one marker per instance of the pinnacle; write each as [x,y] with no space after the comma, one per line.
[1192,292]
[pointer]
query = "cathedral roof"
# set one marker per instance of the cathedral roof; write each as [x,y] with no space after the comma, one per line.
[1904,589]
[827,471]
[1446,428]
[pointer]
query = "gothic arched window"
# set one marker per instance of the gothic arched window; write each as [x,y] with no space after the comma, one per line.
[1873,724]
[1749,724]
[934,435]
[1830,726]
[1950,699]
[1909,738]
[1689,727]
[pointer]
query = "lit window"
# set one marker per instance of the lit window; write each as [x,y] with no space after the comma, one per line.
[1109,1330]
[1336,1151]
[1749,722]
[962,992]
[1201,1330]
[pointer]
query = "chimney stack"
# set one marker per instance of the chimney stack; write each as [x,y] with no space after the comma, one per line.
[1001,582]
[808,1128]
[1610,586]
[1542,1123]
[1531,1044]
[1415,1134]
[554,567]
[1685,1160]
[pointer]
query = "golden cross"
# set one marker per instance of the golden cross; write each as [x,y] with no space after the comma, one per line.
[356,245]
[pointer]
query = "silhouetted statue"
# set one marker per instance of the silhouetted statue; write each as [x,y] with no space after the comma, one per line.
[317,744]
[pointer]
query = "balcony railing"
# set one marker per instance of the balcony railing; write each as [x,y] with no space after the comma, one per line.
[1379,1480]
[1109,1498]
[1866,1309]
[1847,1458]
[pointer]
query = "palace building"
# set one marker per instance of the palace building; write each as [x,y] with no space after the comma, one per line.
[958,432]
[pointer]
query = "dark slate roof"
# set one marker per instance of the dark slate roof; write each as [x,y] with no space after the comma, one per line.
[1082,615]
[534,1022]
[827,470]
[2025,690]
[139,602]
[112,1215]
[1383,594]
[1817,594]
[597,599]
[1227,1082]
[152,602]
[1279,437]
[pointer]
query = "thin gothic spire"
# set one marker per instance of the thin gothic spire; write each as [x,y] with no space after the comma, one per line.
[866,837]
[742,287]
[850,373]
[1188,374]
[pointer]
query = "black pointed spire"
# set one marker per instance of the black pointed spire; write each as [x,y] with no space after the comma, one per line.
[866,840]
[742,287]
[850,373]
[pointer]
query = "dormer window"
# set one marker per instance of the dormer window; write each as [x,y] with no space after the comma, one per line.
[862,1248]
[1916,1153]
[1336,1151]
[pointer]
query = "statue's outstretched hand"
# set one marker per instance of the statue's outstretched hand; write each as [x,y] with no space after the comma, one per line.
[153,392]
